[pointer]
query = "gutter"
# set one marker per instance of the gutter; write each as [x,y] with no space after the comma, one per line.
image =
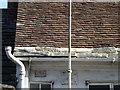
[40,59]
[21,67]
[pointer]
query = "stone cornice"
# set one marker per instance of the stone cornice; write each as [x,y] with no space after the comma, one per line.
[104,52]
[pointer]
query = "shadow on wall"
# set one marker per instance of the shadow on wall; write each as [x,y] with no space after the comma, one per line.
[119,66]
[9,17]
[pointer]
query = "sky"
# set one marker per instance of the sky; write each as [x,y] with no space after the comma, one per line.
[3,3]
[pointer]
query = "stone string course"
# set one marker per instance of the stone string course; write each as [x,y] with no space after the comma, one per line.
[105,52]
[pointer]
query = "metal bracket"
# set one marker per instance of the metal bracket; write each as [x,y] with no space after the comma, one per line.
[69,70]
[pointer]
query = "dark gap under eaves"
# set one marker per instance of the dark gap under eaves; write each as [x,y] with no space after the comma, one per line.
[48,56]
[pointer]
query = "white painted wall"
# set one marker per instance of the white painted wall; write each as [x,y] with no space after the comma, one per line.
[56,72]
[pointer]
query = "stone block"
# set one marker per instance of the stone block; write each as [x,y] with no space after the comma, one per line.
[6,87]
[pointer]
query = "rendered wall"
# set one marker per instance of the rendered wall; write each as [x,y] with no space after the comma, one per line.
[57,73]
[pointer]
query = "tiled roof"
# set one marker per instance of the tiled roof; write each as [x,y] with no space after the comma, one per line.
[46,24]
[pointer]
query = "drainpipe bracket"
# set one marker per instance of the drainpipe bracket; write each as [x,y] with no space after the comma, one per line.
[69,70]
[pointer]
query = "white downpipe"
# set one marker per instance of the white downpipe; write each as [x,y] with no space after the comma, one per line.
[69,46]
[21,71]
